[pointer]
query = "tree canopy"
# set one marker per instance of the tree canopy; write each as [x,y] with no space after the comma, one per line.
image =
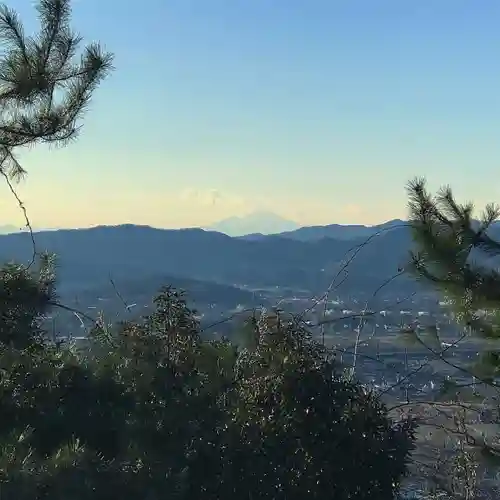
[151,408]
[459,256]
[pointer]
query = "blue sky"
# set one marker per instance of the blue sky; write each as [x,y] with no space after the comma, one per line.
[318,110]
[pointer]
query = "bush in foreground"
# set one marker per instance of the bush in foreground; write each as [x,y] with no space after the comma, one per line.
[149,409]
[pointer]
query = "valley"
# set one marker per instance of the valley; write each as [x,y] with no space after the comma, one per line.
[116,271]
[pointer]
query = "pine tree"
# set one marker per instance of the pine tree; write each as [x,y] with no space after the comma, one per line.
[43,90]
[46,83]
[456,254]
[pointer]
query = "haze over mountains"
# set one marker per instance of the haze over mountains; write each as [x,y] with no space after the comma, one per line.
[220,272]
[142,258]
[260,222]
[9,228]
[305,258]
[339,231]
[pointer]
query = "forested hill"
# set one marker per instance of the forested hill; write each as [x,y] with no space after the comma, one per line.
[87,257]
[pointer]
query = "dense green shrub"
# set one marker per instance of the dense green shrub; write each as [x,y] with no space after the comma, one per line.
[150,410]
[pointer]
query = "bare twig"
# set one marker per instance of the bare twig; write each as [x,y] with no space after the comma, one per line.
[21,205]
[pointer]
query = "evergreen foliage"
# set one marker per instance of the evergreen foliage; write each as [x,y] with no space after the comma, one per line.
[457,255]
[151,410]
[43,91]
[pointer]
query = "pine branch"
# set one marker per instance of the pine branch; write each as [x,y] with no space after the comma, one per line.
[453,252]
[43,91]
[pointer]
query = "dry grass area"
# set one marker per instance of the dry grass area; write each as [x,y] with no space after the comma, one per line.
[458,443]
[455,451]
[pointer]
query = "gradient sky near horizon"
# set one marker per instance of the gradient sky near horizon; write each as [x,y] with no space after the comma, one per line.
[318,110]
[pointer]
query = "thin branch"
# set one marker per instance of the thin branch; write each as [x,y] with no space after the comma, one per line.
[25,214]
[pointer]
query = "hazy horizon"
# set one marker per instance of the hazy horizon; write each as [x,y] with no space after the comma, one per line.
[319,111]
[209,226]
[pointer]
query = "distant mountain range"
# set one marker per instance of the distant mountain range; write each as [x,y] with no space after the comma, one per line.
[335,231]
[88,256]
[263,223]
[209,262]
[259,224]
[8,229]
